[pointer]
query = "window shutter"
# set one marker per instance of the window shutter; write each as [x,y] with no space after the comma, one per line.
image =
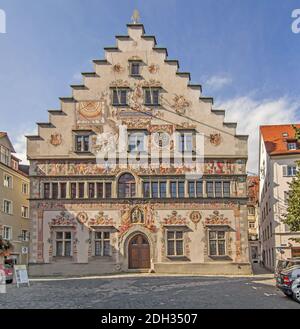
[284,171]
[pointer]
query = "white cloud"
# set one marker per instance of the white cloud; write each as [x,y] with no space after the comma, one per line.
[217,82]
[250,113]
[19,143]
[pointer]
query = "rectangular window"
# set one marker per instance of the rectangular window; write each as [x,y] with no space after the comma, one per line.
[136,142]
[81,190]
[24,212]
[102,243]
[7,207]
[185,142]
[119,97]
[251,211]
[191,187]
[163,189]
[154,186]
[135,69]
[151,97]
[226,189]
[5,155]
[175,243]
[91,190]
[25,235]
[7,233]
[181,192]
[146,189]
[217,243]
[218,189]
[63,190]
[292,146]
[210,189]
[25,189]
[108,190]
[82,143]
[46,190]
[199,189]
[8,181]
[173,189]
[73,190]
[292,171]
[100,194]
[54,190]
[63,244]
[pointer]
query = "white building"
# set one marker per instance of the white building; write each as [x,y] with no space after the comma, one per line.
[279,150]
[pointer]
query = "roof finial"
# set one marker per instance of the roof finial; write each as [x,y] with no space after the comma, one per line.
[135,16]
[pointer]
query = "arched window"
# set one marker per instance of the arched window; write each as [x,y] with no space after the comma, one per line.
[126,187]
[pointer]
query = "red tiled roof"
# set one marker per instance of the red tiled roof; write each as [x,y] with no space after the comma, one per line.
[276,138]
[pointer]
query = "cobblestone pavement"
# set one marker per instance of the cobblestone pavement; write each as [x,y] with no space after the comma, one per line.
[148,291]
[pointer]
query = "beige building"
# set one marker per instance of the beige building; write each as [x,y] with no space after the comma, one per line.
[14,203]
[253,215]
[278,152]
[141,203]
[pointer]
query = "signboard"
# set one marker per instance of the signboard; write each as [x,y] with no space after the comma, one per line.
[21,275]
[24,250]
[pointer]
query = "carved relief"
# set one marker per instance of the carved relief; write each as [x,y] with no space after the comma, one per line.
[181,104]
[195,217]
[137,216]
[101,219]
[153,68]
[215,139]
[82,217]
[63,219]
[174,219]
[56,139]
[120,83]
[217,219]
[118,68]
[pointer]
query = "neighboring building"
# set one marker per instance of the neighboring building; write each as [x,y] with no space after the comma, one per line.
[278,152]
[253,213]
[91,217]
[14,204]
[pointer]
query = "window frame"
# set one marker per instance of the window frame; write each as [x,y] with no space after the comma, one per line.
[175,239]
[26,214]
[102,241]
[85,139]
[11,206]
[64,240]
[216,240]
[11,184]
[117,95]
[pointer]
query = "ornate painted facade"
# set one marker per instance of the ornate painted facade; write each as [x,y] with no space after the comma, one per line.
[91,216]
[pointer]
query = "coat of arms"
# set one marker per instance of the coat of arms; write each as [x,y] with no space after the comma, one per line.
[215,139]
[56,139]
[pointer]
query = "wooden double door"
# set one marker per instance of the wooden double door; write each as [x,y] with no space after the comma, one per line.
[139,252]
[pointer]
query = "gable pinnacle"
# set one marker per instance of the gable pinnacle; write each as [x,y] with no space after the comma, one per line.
[135,17]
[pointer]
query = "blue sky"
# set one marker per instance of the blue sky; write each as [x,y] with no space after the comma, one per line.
[243,52]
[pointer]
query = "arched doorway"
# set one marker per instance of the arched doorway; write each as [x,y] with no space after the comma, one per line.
[139,252]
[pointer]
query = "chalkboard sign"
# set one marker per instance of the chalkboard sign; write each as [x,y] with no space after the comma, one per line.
[21,275]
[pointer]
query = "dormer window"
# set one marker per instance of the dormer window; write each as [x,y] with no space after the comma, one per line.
[135,68]
[151,97]
[292,146]
[119,97]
